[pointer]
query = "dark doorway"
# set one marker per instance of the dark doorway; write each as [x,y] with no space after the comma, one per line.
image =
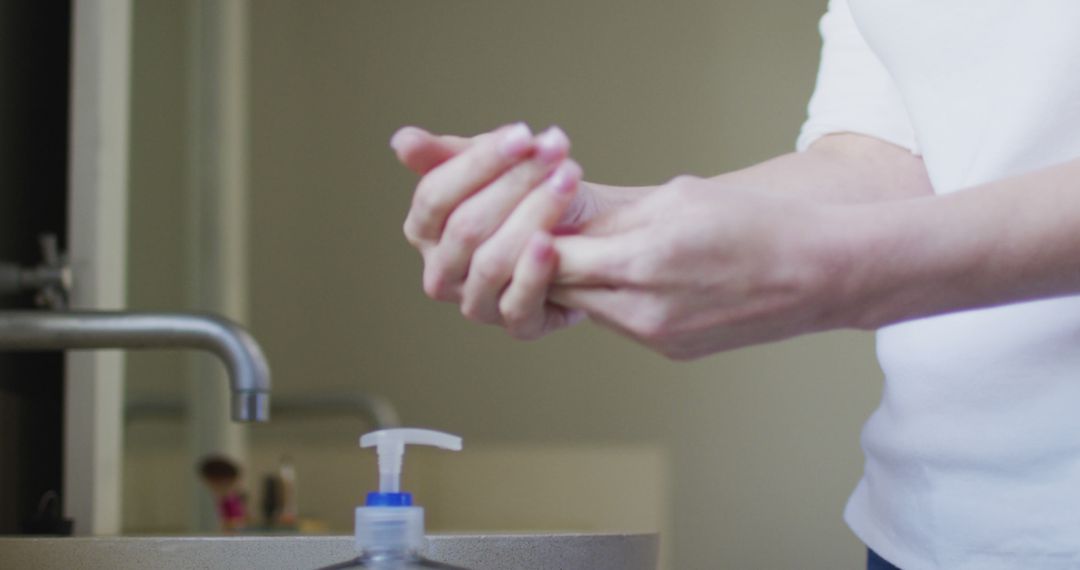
[35,44]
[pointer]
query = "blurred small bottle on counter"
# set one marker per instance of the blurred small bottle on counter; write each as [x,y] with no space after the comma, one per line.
[279,507]
[288,512]
[271,490]
[222,477]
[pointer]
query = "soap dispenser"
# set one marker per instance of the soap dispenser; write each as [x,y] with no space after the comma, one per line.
[389,528]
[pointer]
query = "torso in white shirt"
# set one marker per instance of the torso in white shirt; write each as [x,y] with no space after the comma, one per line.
[973,457]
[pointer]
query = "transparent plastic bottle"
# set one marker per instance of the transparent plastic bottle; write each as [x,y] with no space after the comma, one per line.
[389,529]
[391,563]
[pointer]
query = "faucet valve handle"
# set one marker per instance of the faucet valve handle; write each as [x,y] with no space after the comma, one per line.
[51,280]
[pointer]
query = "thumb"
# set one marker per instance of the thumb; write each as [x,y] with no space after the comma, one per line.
[601,249]
[594,261]
[420,151]
[618,220]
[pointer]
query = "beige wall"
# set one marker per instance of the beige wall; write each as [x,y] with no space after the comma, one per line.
[763,442]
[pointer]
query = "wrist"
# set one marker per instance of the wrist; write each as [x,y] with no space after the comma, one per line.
[853,237]
[903,260]
[828,252]
[864,250]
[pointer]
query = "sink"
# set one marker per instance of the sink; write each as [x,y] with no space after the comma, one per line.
[475,551]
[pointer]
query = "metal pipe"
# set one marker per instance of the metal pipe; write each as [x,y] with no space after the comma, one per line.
[249,374]
[379,412]
[376,411]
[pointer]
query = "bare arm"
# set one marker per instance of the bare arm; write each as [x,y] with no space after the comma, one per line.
[1007,241]
[745,267]
[841,168]
[471,221]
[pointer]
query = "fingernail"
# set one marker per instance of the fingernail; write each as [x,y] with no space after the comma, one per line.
[551,145]
[566,177]
[516,141]
[540,246]
[574,316]
[401,135]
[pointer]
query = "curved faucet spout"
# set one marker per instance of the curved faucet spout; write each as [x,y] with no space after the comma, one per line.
[249,374]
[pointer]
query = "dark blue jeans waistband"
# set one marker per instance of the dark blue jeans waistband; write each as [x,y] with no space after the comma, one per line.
[875,562]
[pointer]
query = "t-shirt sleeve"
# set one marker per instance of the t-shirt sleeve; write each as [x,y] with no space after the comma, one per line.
[854,92]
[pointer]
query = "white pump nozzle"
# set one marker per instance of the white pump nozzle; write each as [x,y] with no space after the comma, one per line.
[391,448]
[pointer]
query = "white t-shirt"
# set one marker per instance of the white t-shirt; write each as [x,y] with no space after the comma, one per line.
[973,457]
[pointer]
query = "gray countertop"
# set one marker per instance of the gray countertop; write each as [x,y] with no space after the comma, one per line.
[477,552]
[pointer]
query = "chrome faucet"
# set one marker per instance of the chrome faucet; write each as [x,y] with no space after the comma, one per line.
[249,374]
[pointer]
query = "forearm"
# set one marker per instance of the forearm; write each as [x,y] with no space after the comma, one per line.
[839,169]
[844,168]
[1008,241]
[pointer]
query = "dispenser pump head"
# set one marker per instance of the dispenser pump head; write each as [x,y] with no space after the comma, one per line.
[390,444]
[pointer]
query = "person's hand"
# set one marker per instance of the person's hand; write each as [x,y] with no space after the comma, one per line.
[482,204]
[420,151]
[693,269]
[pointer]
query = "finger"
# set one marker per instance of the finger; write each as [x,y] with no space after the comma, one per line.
[559,317]
[494,262]
[479,216]
[436,284]
[522,305]
[447,185]
[420,151]
[595,260]
[618,220]
[525,310]
[610,306]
